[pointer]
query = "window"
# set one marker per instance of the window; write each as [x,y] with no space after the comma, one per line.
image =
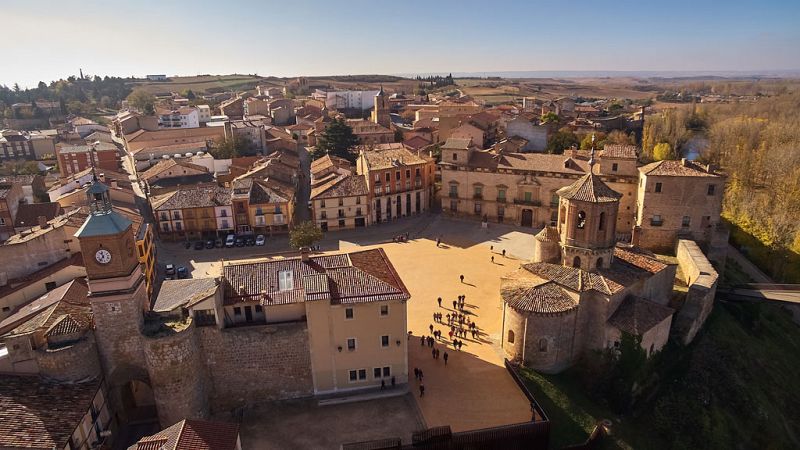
[384,310]
[554,199]
[341,223]
[501,211]
[285,280]
[351,344]
[602,223]
[711,189]
[543,345]
[348,313]
[478,191]
[362,374]
[388,177]
[510,337]
[581,222]
[455,156]
[397,175]
[477,208]
[377,178]
[165,227]
[384,341]
[417,173]
[376,373]
[528,197]
[341,201]
[358,200]
[178,226]
[658,187]
[164,216]
[259,309]
[353,375]
[322,203]
[686,221]
[614,167]
[237,311]
[501,194]
[382,372]
[408,173]
[453,205]
[656,220]
[225,224]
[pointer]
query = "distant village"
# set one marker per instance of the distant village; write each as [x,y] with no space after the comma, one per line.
[85,299]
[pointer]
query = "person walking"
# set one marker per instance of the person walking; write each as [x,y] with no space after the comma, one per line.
[383,384]
[492,259]
[431,327]
[462,278]
[438,241]
[454,304]
[504,253]
[421,390]
[440,301]
[393,382]
[416,373]
[422,341]
[433,353]
[445,358]
[491,248]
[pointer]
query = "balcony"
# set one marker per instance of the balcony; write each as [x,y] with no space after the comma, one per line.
[477,196]
[501,200]
[453,195]
[520,201]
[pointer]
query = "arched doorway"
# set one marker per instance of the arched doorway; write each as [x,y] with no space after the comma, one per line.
[138,402]
[527,217]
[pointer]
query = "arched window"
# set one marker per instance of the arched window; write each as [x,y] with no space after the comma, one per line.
[576,262]
[542,345]
[602,223]
[599,262]
[581,223]
[510,336]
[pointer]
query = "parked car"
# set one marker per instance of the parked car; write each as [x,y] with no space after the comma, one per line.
[260,240]
[240,242]
[169,269]
[187,245]
[199,245]
[182,272]
[210,243]
[230,241]
[218,243]
[250,241]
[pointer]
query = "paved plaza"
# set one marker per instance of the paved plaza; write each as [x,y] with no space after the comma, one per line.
[474,390]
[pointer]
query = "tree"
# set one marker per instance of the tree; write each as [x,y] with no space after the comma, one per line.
[337,140]
[549,117]
[189,94]
[304,234]
[142,100]
[561,141]
[662,150]
[226,149]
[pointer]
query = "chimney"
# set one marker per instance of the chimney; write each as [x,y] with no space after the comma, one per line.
[42,221]
[305,254]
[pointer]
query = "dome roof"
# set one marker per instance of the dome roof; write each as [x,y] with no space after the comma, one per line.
[589,188]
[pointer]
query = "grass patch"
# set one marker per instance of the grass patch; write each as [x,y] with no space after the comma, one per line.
[735,387]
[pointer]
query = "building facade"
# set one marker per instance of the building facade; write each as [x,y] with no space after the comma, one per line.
[341,202]
[399,181]
[194,212]
[183,117]
[76,158]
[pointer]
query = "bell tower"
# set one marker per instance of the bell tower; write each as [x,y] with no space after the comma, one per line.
[587,218]
[380,112]
[116,287]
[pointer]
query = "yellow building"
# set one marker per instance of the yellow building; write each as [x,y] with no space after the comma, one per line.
[341,201]
[146,251]
[192,212]
[354,307]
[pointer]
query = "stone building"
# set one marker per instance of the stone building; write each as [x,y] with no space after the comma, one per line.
[399,181]
[680,199]
[191,212]
[340,202]
[370,133]
[581,290]
[521,188]
[380,110]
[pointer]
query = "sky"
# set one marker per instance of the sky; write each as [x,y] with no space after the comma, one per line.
[52,39]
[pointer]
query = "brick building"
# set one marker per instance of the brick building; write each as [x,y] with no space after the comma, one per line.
[76,158]
[399,181]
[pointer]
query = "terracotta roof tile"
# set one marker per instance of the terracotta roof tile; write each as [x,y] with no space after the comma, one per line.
[37,414]
[28,213]
[192,434]
[193,197]
[619,151]
[637,316]
[536,296]
[341,186]
[395,156]
[589,188]
[674,168]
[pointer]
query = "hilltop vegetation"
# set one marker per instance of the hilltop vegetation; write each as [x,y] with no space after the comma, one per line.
[735,387]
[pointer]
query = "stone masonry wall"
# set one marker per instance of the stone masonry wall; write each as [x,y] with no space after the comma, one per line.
[253,364]
[75,362]
[559,332]
[701,277]
[177,375]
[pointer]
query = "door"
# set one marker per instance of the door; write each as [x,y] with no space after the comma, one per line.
[248,313]
[527,217]
[360,222]
[408,204]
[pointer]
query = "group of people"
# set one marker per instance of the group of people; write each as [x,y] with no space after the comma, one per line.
[400,237]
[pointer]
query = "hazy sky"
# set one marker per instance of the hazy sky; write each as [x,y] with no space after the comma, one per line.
[51,39]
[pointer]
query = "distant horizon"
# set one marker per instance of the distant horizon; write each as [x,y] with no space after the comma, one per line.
[507,74]
[313,37]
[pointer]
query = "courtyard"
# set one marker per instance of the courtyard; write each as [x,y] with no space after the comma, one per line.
[474,390]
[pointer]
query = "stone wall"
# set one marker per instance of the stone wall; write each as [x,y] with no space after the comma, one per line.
[253,364]
[177,376]
[701,278]
[75,362]
[558,331]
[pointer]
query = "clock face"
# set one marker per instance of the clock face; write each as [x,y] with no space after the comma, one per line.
[103,256]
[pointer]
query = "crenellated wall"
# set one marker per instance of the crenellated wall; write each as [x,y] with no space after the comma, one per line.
[75,362]
[701,277]
[177,375]
[253,364]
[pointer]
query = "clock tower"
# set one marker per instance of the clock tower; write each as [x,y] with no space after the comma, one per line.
[116,287]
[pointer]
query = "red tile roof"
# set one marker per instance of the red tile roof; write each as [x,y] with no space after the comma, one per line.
[358,277]
[673,168]
[37,414]
[619,151]
[589,188]
[637,316]
[192,434]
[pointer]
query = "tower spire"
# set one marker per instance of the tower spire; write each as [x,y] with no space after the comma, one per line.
[591,156]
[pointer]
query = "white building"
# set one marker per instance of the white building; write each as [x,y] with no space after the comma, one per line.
[203,113]
[183,117]
[362,100]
